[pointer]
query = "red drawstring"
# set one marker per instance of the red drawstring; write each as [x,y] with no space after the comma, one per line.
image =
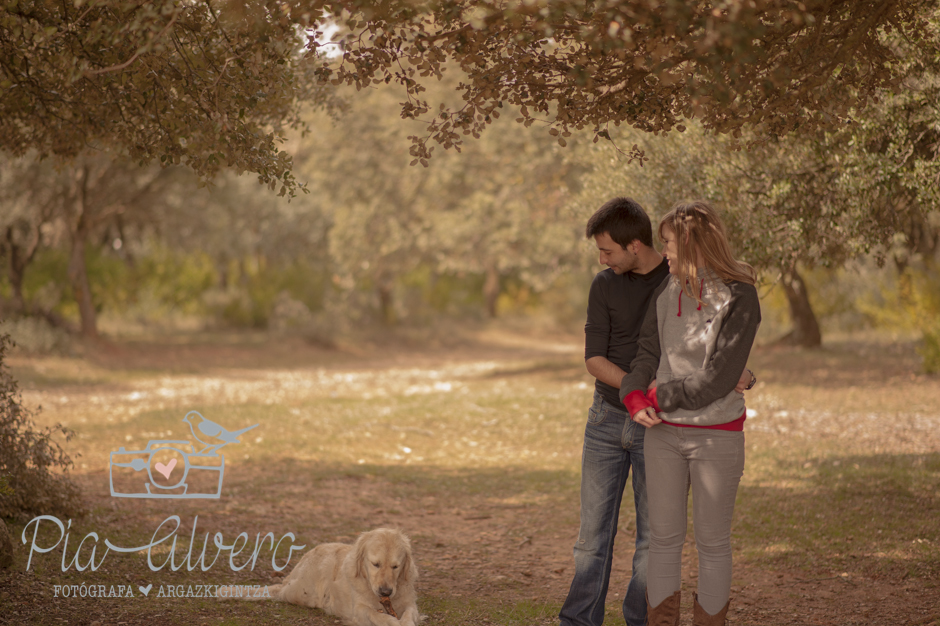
[701,288]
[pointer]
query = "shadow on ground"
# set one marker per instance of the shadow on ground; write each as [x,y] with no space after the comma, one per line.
[851,542]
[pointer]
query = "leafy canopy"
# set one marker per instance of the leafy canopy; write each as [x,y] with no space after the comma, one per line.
[771,65]
[215,82]
[208,84]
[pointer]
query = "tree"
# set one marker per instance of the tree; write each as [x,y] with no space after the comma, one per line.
[97,207]
[868,186]
[84,200]
[206,84]
[494,212]
[28,203]
[213,84]
[502,211]
[257,245]
[79,203]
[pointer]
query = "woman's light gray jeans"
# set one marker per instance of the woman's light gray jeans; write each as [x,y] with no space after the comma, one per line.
[712,463]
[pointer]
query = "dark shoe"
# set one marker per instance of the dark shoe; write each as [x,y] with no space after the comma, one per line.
[666,614]
[700,617]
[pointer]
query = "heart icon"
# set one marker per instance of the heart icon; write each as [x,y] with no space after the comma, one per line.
[146,590]
[166,470]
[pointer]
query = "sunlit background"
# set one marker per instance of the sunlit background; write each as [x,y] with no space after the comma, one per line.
[841,235]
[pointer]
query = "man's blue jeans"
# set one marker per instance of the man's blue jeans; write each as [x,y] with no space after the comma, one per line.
[610,451]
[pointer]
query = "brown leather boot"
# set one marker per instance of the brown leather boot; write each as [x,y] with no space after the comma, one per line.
[666,614]
[700,616]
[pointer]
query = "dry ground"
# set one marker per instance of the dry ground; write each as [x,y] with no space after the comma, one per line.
[473,448]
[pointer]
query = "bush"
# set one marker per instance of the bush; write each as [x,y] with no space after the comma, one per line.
[930,351]
[36,335]
[254,288]
[34,466]
[912,303]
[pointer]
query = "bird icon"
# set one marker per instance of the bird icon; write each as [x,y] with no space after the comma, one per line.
[210,434]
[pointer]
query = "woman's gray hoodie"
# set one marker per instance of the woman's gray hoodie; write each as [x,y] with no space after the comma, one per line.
[696,352]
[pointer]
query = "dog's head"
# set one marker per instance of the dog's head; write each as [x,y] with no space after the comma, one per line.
[383,558]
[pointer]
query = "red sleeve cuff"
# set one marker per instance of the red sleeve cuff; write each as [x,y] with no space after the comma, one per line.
[636,402]
[651,397]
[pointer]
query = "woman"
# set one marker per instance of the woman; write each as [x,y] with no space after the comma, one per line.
[694,345]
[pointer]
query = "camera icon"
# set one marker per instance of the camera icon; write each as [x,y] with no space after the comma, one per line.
[175,469]
[166,469]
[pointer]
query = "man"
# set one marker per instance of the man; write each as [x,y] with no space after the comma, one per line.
[617,303]
[613,444]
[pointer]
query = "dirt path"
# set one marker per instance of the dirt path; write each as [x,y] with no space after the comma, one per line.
[481,546]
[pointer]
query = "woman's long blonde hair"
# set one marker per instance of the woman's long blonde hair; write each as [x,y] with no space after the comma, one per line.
[698,230]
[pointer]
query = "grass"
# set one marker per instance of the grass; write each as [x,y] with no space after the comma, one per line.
[478,460]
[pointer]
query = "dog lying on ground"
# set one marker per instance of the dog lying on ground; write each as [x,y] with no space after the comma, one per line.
[365,584]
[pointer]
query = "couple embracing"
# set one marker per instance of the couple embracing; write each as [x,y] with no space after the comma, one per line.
[667,340]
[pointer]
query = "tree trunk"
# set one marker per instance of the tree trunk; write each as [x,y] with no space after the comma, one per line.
[16,284]
[77,269]
[805,327]
[222,269]
[491,290]
[16,269]
[20,257]
[386,304]
[78,277]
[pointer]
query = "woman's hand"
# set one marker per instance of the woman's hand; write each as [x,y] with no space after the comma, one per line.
[647,417]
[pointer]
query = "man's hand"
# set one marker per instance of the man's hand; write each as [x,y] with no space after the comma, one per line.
[647,417]
[744,381]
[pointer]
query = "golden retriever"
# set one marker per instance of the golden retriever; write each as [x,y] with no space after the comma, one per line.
[349,581]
